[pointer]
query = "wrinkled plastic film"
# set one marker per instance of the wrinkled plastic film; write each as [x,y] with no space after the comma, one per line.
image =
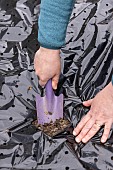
[87,66]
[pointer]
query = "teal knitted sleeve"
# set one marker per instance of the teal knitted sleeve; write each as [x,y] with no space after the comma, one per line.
[112,79]
[53,20]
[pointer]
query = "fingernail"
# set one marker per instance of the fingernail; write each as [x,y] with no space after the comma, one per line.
[84,140]
[84,102]
[74,133]
[55,87]
[102,140]
[77,140]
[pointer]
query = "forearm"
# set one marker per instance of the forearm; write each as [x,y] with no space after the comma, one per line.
[53,21]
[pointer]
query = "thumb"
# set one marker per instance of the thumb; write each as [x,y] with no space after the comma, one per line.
[88,102]
[55,80]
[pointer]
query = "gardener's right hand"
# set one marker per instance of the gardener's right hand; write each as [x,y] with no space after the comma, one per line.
[47,66]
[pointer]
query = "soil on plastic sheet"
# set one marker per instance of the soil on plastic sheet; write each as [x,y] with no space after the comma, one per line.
[53,128]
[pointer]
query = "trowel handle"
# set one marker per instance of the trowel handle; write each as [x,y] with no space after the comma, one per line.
[49,90]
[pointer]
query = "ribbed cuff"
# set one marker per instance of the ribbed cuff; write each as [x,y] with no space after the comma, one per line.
[112,80]
[49,47]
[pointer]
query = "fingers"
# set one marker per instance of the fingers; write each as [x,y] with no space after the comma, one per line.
[106,131]
[42,83]
[85,130]
[47,66]
[42,80]
[101,112]
[84,120]
[91,127]
[55,80]
[95,128]
[88,102]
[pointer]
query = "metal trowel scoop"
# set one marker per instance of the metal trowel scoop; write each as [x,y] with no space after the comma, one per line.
[49,106]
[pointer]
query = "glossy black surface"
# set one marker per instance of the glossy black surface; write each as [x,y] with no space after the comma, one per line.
[87,62]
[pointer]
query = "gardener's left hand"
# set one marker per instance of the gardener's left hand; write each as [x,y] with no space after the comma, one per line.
[101,113]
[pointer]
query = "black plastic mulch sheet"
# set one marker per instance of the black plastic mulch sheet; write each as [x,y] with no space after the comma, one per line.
[87,68]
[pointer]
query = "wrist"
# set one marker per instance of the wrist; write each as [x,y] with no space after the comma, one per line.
[50,51]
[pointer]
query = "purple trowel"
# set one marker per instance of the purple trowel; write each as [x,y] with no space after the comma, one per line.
[50,106]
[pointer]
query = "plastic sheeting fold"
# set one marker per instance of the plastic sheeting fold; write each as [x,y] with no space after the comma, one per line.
[87,63]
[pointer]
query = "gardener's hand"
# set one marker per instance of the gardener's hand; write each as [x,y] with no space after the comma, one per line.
[47,66]
[101,113]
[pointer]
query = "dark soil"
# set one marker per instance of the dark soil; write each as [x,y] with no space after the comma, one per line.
[52,129]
